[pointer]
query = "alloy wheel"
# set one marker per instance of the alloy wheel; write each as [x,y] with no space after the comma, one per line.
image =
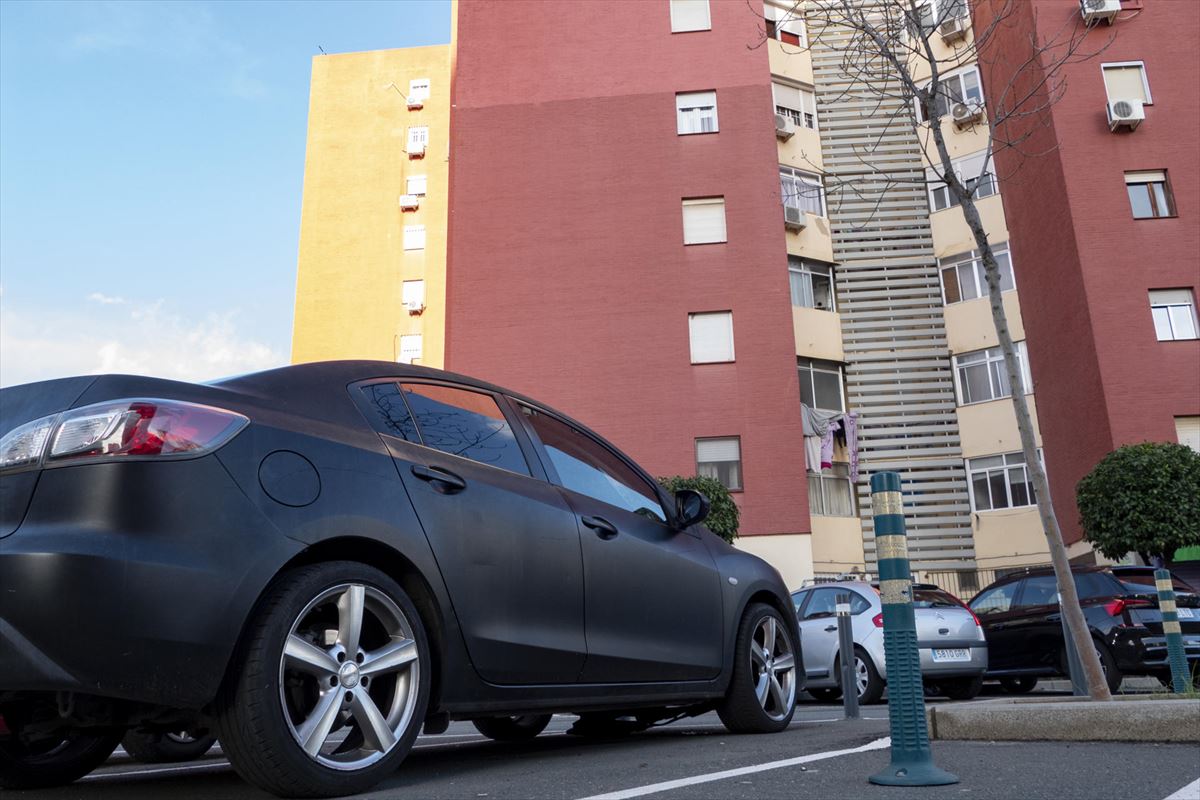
[774,668]
[349,676]
[861,676]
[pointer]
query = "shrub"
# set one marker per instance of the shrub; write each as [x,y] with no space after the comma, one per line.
[723,512]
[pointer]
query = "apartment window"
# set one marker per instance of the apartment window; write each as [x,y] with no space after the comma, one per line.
[414,237]
[418,88]
[1149,194]
[704,220]
[933,13]
[418,138]
[963,275]
[802,190]
[721,459]
[797,103]
[830,493]
[958,87]
[1000,482]
[1174,312]
[820,384]
[1126,80]
[413,294]
[982,376]
[690,15]
[784,22]
[410,348]
[975,172]
[1187,431]
[696,112]
[811,283]
[415,184]
[711,337]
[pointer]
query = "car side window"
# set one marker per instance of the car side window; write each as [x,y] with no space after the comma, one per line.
[464,423]
[1040,590]
[1096,584]
[996,600]
[798,600]
[822,604]
[585,466]
[392,413]
[858,603]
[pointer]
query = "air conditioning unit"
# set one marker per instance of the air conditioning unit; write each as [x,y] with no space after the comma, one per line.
[953,29]
[794,219]
[785,126]
[410,202]
[1093,11]
[416,151]
[966,113]
[414,102]
[414,306]
[1125,114]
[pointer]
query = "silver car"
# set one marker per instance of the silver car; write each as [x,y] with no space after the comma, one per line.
[953,650]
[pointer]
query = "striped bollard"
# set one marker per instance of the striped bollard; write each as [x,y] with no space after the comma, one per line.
[1181,681]
[912,760]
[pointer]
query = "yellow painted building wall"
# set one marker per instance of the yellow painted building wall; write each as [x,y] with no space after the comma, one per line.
[352,261]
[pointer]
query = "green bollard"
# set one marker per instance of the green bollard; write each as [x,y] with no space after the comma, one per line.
[912,760]
[1181,681]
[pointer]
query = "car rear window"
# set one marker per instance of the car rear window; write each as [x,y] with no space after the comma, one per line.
[1142,581]
[934,598]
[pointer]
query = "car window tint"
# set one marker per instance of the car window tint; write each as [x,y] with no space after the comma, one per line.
[392,413]
[1097,584]
[1144,583]
[823,604]
[996,600]
[587,467]
[1040,590]
[464,423]
[933,598]
[858,603]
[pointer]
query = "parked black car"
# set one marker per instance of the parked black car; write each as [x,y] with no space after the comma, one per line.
[316,561]
[1023,625]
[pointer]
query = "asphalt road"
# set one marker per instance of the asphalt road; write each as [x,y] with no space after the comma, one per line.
[694,754]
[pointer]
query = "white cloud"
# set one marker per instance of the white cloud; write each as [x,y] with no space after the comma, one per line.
[145,340]
[106,300]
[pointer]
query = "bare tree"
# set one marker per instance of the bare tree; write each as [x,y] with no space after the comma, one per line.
[887,51]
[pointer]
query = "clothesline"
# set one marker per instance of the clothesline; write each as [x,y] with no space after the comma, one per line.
[819,429]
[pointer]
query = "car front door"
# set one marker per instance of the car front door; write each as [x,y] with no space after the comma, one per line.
[818,632]
[652,594]
[505,540]
[994,607]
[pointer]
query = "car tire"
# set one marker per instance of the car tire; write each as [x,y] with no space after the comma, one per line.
[512,729]
[160,748]
[1112,674]
[1020,685]
[866,676]
[761,697]
[827,695]
[54,763]
[330,647]
[961,688]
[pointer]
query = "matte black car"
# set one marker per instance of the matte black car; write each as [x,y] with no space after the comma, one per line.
[316,561]
[1023,625]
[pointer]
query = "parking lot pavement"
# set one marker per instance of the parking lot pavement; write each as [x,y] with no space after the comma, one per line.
[462,764]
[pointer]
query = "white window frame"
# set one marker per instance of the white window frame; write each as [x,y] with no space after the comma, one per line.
[807,267]
[1006,467]
[828,368]
[415,353]
[707,18]
[689,202]
[721,355]
[414,237]
[1187,432]
[806,115]
[1149,101]
[967,169]
[411,291]
[781,14]
[418,135]
[1178,299]
[418,88]
[975,259]
[958,76]
[737,442]
[838,474]
[993,358]
[424,185]
[935,14]
[799,176]
[1150,178]
[693,103]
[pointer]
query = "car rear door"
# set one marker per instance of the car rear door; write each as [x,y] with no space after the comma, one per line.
[505,540]
[995,609]
[818,631]
[652,594]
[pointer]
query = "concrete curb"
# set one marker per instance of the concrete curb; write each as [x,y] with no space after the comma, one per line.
[1076,719]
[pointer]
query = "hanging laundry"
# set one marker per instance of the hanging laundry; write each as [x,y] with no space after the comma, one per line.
[827,443]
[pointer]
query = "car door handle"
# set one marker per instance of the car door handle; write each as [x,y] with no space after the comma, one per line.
[603,528]
[448,482]
[830,628]
[1053,617]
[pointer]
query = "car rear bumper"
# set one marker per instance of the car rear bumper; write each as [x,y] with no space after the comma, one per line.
[976,664]
[1137,650]
[132,581]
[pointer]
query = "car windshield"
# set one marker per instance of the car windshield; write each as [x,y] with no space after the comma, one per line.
[934,598]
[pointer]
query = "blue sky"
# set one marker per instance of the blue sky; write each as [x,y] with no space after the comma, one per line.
[151,164]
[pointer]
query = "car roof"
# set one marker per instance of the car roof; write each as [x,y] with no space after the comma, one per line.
[1029,572]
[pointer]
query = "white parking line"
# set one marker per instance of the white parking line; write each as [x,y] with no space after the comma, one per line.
[1189,792]
[667,786]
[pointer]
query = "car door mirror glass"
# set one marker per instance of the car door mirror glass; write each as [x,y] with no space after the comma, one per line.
[691,507]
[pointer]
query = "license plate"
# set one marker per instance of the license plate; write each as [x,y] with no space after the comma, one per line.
[940,656]
[1184,613]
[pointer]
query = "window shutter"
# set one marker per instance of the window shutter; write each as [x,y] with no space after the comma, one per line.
[709,450]
[711,337]
[787,96]
[414,292]
[414,237]
[416,184]
[1187,430]
[689,15]
[1153,176]
[1169,297]
[410,347]
[1125,83]
[704,221]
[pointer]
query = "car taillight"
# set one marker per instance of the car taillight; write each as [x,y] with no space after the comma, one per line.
[1117,606]
[120,428]
[878,620]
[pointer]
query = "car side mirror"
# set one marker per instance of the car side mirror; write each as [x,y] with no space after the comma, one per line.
[691,507]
